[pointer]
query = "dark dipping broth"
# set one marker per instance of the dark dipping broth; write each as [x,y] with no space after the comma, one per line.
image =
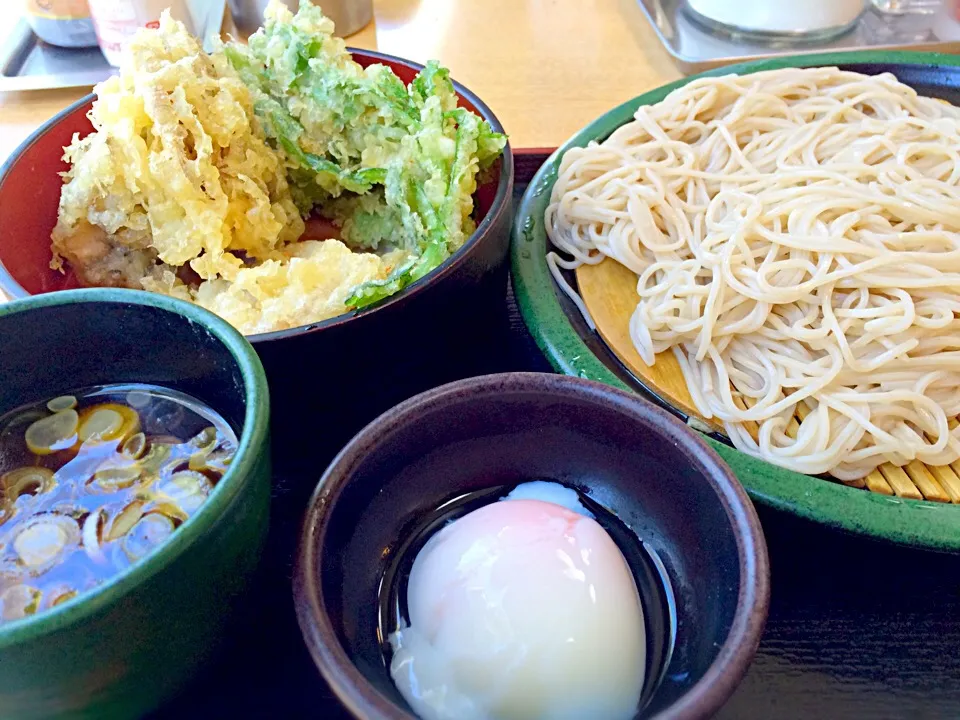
[93,481]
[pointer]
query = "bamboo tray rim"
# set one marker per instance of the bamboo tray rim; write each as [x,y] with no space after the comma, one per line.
[608,289]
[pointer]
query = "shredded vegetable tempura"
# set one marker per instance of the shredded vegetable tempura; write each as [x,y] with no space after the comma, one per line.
[201,168]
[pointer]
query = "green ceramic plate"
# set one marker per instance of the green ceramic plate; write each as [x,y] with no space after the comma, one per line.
[573,349]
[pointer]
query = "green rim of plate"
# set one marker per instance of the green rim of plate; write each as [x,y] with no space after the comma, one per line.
[917,523]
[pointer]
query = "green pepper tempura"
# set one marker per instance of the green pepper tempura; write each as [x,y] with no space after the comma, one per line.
[396,167]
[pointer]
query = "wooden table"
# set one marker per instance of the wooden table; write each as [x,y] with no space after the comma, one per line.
[545,67]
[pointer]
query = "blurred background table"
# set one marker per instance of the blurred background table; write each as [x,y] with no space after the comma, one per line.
[857,629]
[546,67]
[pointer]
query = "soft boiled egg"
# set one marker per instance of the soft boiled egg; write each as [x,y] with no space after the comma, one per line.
[524,609]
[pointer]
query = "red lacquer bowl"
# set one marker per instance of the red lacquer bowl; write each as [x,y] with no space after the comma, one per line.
[30,183]
[347,369]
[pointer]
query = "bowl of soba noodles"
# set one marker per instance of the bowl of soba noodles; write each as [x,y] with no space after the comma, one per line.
[134,498]
[771,251]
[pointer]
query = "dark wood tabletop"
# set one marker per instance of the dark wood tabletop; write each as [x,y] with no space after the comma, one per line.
[857,628]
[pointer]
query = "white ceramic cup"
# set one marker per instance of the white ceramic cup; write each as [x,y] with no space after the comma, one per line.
[117,21]
[781,16]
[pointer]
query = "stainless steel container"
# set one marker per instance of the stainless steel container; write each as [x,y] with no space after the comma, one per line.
[348,15]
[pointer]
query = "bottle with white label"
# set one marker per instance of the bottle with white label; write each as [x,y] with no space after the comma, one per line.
[66,23]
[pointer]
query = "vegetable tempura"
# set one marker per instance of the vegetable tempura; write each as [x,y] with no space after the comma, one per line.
[202,167]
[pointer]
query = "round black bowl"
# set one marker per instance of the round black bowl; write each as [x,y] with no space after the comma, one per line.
[694,520]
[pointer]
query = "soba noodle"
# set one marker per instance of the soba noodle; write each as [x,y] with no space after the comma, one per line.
[796,236]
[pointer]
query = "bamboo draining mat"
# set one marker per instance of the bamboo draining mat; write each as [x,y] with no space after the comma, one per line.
[610,292]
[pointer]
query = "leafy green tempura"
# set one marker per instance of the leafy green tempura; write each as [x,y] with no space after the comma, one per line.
[396,167]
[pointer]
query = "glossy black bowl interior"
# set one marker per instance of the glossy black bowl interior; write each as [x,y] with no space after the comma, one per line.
[98,339]
[632,458]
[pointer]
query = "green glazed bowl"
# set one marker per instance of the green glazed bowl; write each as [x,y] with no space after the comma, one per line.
[572,349]
[124,648]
